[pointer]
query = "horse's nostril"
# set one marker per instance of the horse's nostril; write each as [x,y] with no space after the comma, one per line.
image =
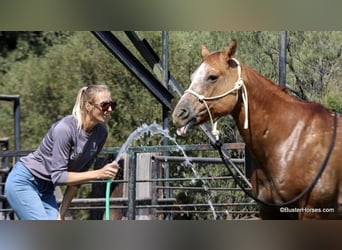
[183,113]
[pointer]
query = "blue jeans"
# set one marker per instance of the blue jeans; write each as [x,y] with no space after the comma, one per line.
[30,197]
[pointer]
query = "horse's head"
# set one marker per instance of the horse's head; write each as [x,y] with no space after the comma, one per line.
[212,92]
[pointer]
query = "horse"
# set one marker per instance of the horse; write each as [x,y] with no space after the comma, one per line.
[290,140]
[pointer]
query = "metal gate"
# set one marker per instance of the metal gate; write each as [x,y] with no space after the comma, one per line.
[157,184]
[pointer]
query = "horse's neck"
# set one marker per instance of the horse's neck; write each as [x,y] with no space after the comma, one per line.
[266,103]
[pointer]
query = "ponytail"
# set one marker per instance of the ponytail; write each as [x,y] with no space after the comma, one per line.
[85,94]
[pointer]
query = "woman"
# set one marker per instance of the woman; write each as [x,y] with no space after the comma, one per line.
[63,158]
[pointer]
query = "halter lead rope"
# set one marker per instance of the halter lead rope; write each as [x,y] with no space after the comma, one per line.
[238,85]
[306,190]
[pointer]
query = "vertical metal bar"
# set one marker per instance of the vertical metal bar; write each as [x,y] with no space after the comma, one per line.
[282,57]
[132,176]
[16,111]
[165,65]
[165,38]
[4,146]
[154,176]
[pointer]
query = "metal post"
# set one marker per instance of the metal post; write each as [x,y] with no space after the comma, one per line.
[16,111]
[4,146]
[282,57]
[165,38]
[132,176]
[154,176]
[16,115]
[166,78]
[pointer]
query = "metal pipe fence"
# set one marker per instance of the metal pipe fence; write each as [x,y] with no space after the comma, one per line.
[149,194]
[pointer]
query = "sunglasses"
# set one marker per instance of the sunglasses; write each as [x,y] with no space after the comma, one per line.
[104,106]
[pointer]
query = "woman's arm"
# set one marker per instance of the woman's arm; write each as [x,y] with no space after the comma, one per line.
[69,194]
[109,171]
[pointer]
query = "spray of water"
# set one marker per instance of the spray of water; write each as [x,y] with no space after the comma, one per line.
[141,132]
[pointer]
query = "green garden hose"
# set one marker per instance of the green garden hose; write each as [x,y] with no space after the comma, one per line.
[152,129]
[107,212]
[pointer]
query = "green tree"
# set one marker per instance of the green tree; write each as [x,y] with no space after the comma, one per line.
[47,69]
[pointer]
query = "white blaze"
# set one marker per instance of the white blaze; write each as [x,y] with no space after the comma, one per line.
[199,76]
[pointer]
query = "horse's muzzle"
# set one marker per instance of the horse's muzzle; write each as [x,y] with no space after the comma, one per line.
[184,117]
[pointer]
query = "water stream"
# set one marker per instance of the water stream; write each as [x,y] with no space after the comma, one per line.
[152,130]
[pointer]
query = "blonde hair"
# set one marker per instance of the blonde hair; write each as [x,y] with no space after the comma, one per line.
[85,94]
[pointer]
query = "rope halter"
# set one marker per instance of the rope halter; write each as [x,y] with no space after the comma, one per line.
[238,85]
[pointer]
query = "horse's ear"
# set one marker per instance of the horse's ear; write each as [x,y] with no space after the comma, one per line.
[205,51]
[230,50]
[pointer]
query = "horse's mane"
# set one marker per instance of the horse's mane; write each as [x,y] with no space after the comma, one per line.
[293,93]
[289,91]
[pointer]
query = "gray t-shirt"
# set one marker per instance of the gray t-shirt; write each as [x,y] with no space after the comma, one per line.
[65,149]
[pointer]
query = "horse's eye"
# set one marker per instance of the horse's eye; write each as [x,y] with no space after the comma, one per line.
[212,78]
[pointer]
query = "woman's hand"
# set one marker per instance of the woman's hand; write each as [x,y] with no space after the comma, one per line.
[108,171]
